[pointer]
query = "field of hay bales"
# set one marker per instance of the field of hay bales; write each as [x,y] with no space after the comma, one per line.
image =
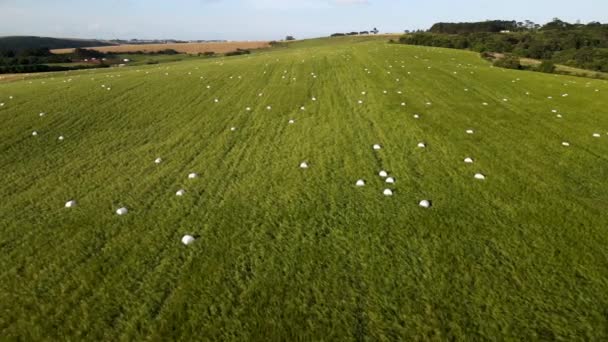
[189,48]
[244,199]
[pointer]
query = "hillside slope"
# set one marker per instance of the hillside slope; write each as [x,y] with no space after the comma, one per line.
[285,253]
[31,42]
[190,48]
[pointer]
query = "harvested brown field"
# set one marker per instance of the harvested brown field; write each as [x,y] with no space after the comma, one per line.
[189,48]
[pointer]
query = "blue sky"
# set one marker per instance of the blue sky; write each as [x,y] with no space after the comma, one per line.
[267,19]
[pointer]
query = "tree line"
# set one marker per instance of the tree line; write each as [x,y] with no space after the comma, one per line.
[483,26]
[355,33]
[578,45]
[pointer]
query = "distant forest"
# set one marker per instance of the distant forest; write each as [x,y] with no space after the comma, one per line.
[577,45]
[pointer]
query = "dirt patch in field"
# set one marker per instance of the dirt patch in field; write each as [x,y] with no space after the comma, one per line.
[189,48]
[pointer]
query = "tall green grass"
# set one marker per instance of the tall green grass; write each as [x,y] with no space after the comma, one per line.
[290,254]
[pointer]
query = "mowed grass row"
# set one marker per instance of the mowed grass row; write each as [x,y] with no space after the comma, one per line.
[284,252]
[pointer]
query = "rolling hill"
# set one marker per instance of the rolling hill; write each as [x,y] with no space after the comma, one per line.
[189,48]
[31,42]
[289,253]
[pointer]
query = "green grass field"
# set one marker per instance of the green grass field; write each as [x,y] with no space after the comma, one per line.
[288,254]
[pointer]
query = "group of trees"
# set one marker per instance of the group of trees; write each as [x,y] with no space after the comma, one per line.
[355,33]
[81,54]
[12,61]
[485,26]
[238,52]
[577,45]
[141,52]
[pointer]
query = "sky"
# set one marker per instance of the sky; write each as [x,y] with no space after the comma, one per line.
[267,19]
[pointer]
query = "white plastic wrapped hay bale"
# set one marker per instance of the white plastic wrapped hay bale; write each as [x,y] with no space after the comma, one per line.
[468,160]
[470,131]
[303,165]
[421,145]
[34,133]
[71,204]
[158,160]
[480,176]
[192,175]
[122,211]
[425,204]
[188,240]
[390,180]
[360,183]
[180,192]
[377,147]
[383,174]
[387,192]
